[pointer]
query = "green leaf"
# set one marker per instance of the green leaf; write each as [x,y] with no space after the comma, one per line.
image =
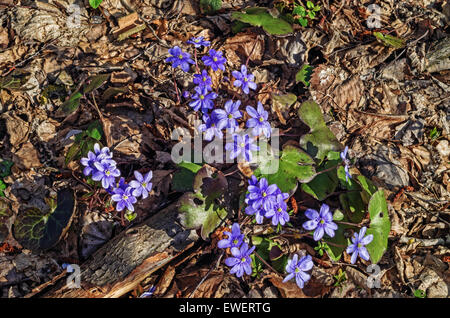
[368,187]
[389,40]
[15,80]
[434,133]
[194,213]
[210,6]
[380,226]
[419,293]
[320,140]
[95,130]
[323,184]
[37,230]
[95,3]
[2,187]
[260,17]
[299,10]
[335,252]
[294,165]
[183,179]
[310,4]
[95,82]
[311,14]
[5,214]
[5,168]
[304,75]
[303,22]
[71,104]
[73,152]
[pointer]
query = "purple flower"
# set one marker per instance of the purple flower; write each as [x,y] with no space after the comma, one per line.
[89,163]
[202,99]
[278,212]
[179,58]
[198,42]
[106,173]
[298,269]
[121,184]
[235,238]
[142,185]
[258,121]
[241,145]
[358,246]
[210,127]
[103,153]
[227,117]
[241,261]
[124,198]
[262,194]
[343,155]
[243,80]
[215,60]
[320,222]
[203,80]
[186,94]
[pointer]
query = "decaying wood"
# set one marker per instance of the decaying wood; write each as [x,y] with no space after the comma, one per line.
[122,263]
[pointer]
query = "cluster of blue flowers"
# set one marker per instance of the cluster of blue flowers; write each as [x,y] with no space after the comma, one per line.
[240,262]
[264,200]
[216,120]
[101,167]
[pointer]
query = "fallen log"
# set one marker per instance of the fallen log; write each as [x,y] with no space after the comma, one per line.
[122,263]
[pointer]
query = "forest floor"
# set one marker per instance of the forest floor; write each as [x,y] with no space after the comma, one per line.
[390,103]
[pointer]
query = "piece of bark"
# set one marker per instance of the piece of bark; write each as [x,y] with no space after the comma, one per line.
[122,263]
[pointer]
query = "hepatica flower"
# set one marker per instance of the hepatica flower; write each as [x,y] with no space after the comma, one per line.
[321,222]
[298,268]
[202,99]
[235,238]
[124,199]
[227,116]
[241,145]
[203,80]
[215,60]
[262,195]
[179,58]
[358,247]
[258,120]
[142,185]
[278,212]
[198,42]
[343,155]
[103,153]
[244,80]
[106,173]
[240,262]
[89,163]
[210,127]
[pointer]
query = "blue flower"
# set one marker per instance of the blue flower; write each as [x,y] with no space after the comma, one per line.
[89,163]
[179,58]
[358,246]
[106,173]
[241,145]
[258,120]
[121,184]
[203,80]
[142,185]
[227,117]
[243,80]
[320,222]
[202,99]
[215,60]
[235,238]
[343,155]
[198,42]
[240,262]
[103,153]
[210,127]
[298,268]
[262,195]
[278,212]
[124,198]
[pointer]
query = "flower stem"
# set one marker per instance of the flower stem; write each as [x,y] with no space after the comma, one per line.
[176,88]
[348,223]
[196,64]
